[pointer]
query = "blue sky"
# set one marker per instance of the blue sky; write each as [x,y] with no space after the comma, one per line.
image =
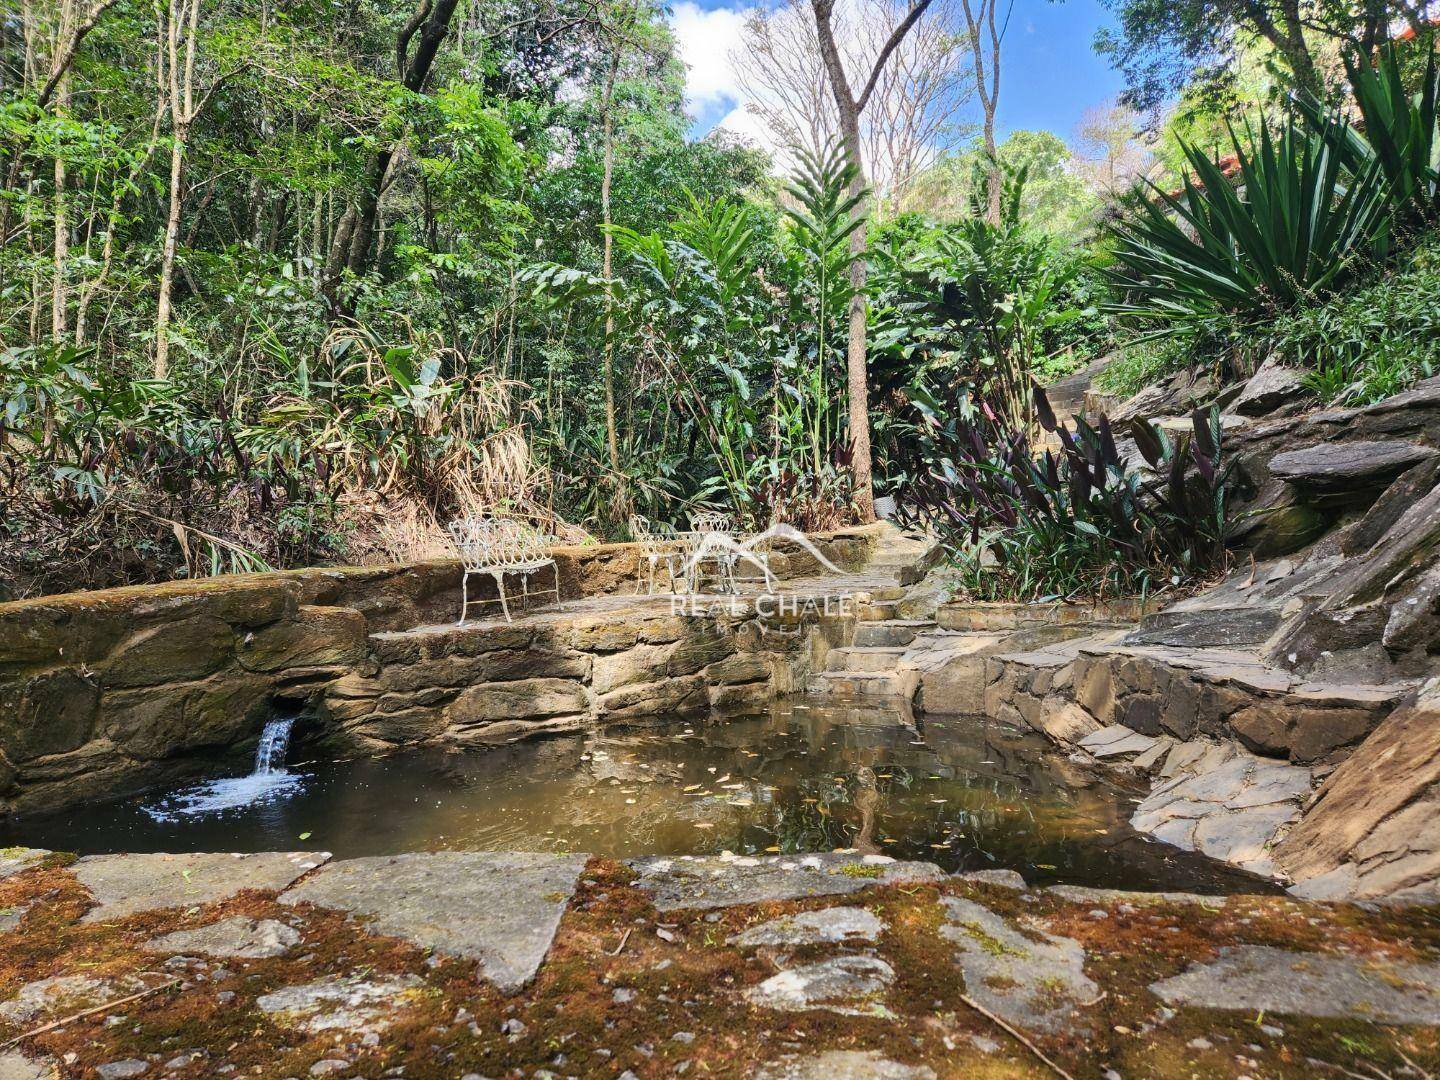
[1050,74]
[1049,77]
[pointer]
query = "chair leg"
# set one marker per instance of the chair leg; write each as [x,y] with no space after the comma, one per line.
[525,590]
[500,588]
[464,596]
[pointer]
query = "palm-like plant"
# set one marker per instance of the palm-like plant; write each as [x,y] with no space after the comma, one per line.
[1295,223]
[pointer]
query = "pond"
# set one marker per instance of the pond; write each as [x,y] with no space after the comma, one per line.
[967,793]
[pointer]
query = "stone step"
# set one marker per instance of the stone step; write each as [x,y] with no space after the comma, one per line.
[877,610]
[887,592]
[891,633]
[853,684]
[881,658]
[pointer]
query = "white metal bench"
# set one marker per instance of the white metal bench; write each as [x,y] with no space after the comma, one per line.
[500,546]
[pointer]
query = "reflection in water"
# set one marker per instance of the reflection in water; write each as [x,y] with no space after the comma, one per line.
[965,792]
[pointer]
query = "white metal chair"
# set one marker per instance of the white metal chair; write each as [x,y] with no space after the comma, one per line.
[704,523]
[500,546]
[659,546]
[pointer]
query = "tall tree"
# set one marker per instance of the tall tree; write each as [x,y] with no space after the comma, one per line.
[416,46]
[986,36]
[849,106]
[910,122]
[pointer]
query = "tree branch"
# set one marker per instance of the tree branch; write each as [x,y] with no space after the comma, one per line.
[65,59]
[898,35]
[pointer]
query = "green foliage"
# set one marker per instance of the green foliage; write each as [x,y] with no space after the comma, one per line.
[745,367]
[1294,225]
[1370,343]
[1400,137]
[1083,523]
[1054,199]
[1143,363]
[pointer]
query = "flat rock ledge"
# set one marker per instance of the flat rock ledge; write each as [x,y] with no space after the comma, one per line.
[848,985]
[348,1004]
[1261,978]
[124,885]
[845,1065]
[827,926]
[16,1066]
[1036,981]
[14,860]
[692,882]
[499,908]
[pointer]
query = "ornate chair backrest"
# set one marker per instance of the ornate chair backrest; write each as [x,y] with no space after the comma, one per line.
[652,536]
[486,542]
[703,521]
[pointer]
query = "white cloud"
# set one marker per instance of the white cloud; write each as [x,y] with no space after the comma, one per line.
[706,39]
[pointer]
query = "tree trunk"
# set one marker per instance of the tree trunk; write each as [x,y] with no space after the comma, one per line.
[612,440]
[60,79]
[857,383]
[431,21]
[167,253]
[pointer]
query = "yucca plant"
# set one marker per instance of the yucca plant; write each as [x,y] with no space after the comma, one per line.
[1294,223]
[1400,133]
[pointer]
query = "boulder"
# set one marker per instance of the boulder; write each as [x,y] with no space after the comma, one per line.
[317,637]
[1348,471]
[179,651]
[48,714]
[167,721]
[1273,386]
[518,699]
[1206,627]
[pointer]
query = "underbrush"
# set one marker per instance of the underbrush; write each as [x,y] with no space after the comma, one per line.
[108,479]
[1371,343]
[1144,363]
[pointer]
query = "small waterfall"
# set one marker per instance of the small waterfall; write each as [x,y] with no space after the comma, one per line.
[274,742]
[267,782]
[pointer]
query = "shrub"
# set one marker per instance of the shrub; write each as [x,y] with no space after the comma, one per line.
[1143,363]
[1083,523]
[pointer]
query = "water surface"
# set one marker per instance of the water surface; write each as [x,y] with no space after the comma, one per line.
[967,793]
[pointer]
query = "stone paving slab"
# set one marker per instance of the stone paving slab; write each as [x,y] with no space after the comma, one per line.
[1084,894]
[14,860]
[65,993]
[1255,978]
[499,908]
[342,1004]
[1033,982]
[126,884]
[824,927]
[849,985]
[692,882]
[16,1066]
[844,1065]
[239,937]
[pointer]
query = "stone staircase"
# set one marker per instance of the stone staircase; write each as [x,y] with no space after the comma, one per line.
[867,668]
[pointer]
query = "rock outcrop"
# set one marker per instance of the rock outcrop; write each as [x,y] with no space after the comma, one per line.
[1374,830]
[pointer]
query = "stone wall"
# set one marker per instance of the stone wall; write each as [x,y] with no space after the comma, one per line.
[111,691]
[479,685]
